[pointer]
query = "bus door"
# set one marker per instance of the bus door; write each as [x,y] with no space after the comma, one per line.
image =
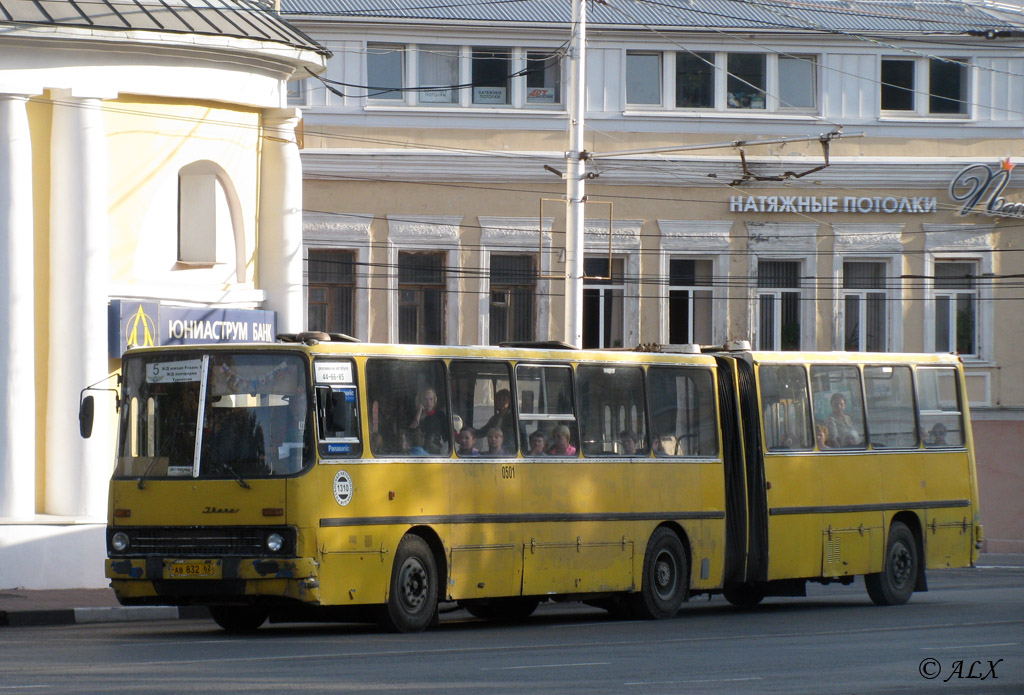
[792,472]
[484,482]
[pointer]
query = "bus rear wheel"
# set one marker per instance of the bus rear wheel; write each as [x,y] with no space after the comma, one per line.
[239,619]
[412,599]
[895,583]
[665,580]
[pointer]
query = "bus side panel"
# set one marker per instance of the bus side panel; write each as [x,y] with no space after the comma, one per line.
[794,524]
[358,539]
[850,540]
[587,546]
[486,556]
[948,530]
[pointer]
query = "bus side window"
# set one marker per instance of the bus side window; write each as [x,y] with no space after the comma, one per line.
[408,398]
[838,407]
[611,410]
[889,393]
[683,419]
[938,397]
[482,401]
[785,407]
[545,408]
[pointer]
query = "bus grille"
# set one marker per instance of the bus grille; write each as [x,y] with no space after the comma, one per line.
[196,541]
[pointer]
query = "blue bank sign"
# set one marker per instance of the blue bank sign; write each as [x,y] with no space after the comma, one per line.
[142,324]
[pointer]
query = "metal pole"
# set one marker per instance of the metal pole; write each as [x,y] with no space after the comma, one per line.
[575,175]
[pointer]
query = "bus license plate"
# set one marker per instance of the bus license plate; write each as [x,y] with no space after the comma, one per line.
[187,569]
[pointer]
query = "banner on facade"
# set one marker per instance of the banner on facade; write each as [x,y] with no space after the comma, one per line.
[917,205]
[143,324]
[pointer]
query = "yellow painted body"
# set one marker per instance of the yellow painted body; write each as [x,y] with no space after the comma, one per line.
[850,498]
[551,525]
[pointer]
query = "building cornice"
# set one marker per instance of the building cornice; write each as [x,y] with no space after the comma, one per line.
[698,172]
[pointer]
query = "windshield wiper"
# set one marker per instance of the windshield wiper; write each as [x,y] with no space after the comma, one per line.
[225,466]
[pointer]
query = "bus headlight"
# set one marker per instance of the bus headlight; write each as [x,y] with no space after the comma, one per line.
[119,541]
[275,541]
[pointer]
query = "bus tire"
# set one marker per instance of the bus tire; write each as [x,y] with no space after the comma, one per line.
[412,598]
[744,595]
[895,583]
[666,578]
[504,610]
[239,619]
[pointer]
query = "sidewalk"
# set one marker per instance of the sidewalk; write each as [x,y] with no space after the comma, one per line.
[20,607]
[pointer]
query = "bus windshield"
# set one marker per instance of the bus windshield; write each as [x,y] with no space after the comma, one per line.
[221,415]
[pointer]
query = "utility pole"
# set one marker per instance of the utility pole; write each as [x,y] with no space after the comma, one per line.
[575,175]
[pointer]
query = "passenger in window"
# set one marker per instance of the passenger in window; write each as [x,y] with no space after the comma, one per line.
[502,417]
[628,442]
[411,443]
[538,444]
[430,420]
[495,443]
[467,442]
[937,434]
[821,437]
[665,445]
[840,425]
[562,445]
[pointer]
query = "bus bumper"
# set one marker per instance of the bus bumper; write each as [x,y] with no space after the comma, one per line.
[179,581]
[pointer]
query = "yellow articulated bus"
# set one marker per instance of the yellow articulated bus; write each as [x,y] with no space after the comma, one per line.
[316,479]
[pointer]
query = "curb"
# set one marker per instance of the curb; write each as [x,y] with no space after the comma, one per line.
[85,616]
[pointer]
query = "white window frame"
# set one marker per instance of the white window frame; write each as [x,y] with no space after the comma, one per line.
[625,244]
[344,232]
[772,103]
[781,241]
[406,61]
[606,290]
[922,92]
[699,240]
[426,233]
[868,242]
[502,235]
[964,243]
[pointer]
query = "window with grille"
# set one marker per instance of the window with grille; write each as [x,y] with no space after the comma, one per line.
[331,278]
[513,288]
[864,306]
[778,295]
[421,298]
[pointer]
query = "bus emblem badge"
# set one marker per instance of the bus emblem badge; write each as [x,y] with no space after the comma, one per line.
[343,488]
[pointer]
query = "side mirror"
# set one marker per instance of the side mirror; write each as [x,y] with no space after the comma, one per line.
[86,410]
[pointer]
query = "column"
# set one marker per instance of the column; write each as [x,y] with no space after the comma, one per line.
[17,320]
[280,220]
[78,470]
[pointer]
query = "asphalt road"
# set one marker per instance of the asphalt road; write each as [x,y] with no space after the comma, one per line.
[966,635]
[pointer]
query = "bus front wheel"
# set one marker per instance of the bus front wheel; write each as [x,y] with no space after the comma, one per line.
[412,599]
[665,578]
[895,583]
[239,619]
